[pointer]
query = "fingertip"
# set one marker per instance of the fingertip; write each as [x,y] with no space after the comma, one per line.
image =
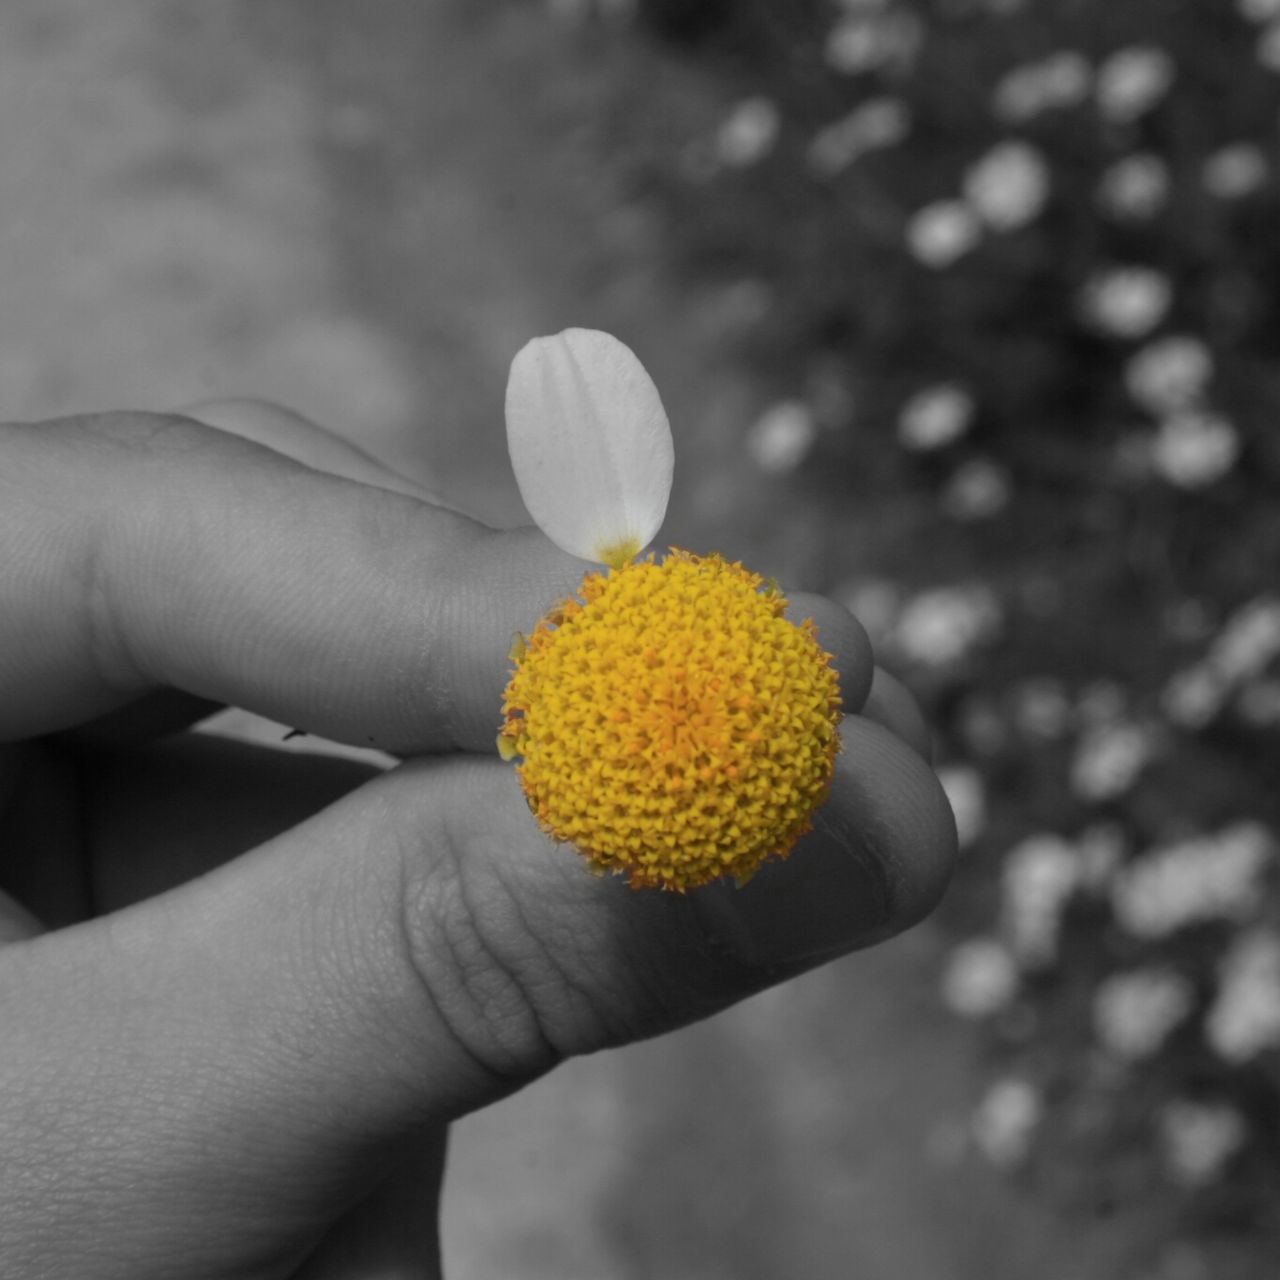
[877,861]
[888,802]
[842,636]
[890,703]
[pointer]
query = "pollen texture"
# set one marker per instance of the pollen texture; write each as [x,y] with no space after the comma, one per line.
[671,724]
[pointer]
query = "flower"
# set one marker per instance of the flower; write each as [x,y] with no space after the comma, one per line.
[1041,707]
[1126,302]
[781,437]
[1234,172]
[1169,374]
[1193,449]
[1209,877]
[980,978]
[935,417]
[876,123]
[1005,1121]
[1249,641]
[1132,81]
[1269,47]
[1008,187]
[870,37]
[1198,1139]
[671,723]
[977,490]
[1061,80]
[1194,696]
[1040,877]
[942,625]
[1134,188]
[748,133]
[1134,1012]
[1109,759]
[968,799]
[943,232]
[1245,1018]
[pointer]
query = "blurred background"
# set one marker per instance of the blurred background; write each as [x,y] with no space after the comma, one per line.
[964,311]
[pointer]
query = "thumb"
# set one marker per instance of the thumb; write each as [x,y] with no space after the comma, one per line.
[215,1073]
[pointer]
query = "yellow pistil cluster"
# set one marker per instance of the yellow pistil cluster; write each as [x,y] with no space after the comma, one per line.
[672,724]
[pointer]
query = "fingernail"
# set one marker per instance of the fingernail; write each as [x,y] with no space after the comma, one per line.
[828,898]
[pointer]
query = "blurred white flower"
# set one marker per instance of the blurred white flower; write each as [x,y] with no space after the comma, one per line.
[942,232]
[1004,1122]
[1259,10]
[1247,644]
[780,439]
[1041,707]
[980,978]
[941,626]
[1135,188]
[876,123]
[1249,641]
[868,37]
[1234,172]
[1134,1012]
[1008,187]
[1100,849]
[1040,876]
[876,604]
[1198,1139]
[935,417]
[1132,81]
[1169,374]
[1245,1018]
[1269,47]
[748,133]
[1126,302]
[977,490]
[1061,80]
[1208,877]
[1194,696]
[967,795]
[1192,449]
[1109,758]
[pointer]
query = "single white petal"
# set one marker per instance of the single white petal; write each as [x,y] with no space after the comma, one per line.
[590,444]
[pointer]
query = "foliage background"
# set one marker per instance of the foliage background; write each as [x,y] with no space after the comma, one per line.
[1017,277]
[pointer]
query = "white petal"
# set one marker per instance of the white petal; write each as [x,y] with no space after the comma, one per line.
[590,444]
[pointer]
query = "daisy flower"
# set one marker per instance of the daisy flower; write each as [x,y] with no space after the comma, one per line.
[670,723]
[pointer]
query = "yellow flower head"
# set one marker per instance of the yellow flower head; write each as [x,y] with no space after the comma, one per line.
[671,723]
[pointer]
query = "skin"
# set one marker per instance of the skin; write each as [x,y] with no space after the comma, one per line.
[244,991]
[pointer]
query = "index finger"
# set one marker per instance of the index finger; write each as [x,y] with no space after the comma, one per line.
[151,551]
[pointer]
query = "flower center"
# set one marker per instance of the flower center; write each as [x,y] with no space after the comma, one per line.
[672,724]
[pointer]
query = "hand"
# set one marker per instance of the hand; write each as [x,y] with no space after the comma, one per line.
[245,990]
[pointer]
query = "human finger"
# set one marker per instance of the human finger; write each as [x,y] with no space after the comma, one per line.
[153,552]
[285,432]
[416,951]
[305,441]
[842,636]
[891,704]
